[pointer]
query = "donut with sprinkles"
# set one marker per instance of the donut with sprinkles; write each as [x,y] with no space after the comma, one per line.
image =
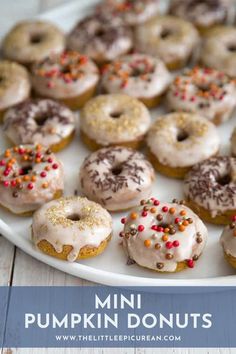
[228,242]
[165,237]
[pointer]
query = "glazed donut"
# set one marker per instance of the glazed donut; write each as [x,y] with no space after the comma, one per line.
[70,77]
[137,75]
[178,141]
[132,13]
[233,143]
[31,41]
[219,50]
[45,122]
[228,242]
[71,228]
[203,91]
[14,85]
[210,189]
[165,237]
[116,177]
[171,39]
[30,175]
[100,39]
[204,13]
[111,120]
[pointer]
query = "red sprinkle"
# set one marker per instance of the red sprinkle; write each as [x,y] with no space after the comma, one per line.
[123,221]
[55,166]
[6,183]
[21,151]
[50,160]
[176,243]
[160,229]
[177,220]
[144,214]
[165,209]
[154,227]
[234,218]
[38,155]
[30,186]
[6,172]
[141,228]
[13,183]
[169,245]
[190,263]
[43,174]
[2,163]
[156,202]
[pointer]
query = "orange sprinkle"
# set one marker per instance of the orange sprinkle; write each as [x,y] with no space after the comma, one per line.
[183,212]
[33,178]
[15,149]
[26,178]
[153,210]
[172,210]
[25,157]
[18,180]
[157,246]
[165,238]
[185,222]
[166,230]
[38,147]
[147,243]
[47,168]
[181,228]
[7,153]
[45,185]
[133,216]
[38,160]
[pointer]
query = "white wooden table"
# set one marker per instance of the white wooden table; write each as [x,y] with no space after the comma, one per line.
[17,268]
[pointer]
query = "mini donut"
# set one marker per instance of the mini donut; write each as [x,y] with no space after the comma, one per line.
[44,121]
[111,120]
[137,75]
[233,143]
[228,242]
[14,85]
[164,237]
[219,50]
[204,91]
[178,141]
[31,41]
[116,177]
[171,39]
[210,189]
[100,39]
[132,13]
[70,78]
[30,175]
[204,13]
[71,228]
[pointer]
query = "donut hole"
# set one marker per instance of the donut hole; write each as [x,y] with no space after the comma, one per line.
[232,48]
[26,170]
[100,32]
[66,69]
[166,33]
[116,114]
[224,180]
[182,135]
[41,119]
[116,170]
[74,217]
[36,38]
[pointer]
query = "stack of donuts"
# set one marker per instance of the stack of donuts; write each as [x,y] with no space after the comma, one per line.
[116,66]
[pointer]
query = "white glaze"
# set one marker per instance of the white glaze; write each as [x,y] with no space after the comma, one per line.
[20,124]
[185,94]
[14,84]
[215,53]
[228,241]
[201,186]
[148,257]
[96,120]
[30,199]
[116,192]
[57,86]
[136,67]
[233,143]
[178,46]
[202,142]
[201,13]
[51,223]
[18,43]
[115,40]
[138,12]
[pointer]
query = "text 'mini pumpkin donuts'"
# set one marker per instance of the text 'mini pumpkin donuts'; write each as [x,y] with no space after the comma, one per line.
[219,50]
[14,85]
[116,177]
[70,78]
[131,13]
[44,121]
[137,75]
[71,228]
[178,141]
[30,175]
[111,120]
[165,237]
[169,38]
[100,38]
[228,242]
[204,91]
[203,14]
[210,189]
[31,41]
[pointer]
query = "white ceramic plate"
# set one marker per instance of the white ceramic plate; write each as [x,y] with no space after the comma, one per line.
[110,268]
